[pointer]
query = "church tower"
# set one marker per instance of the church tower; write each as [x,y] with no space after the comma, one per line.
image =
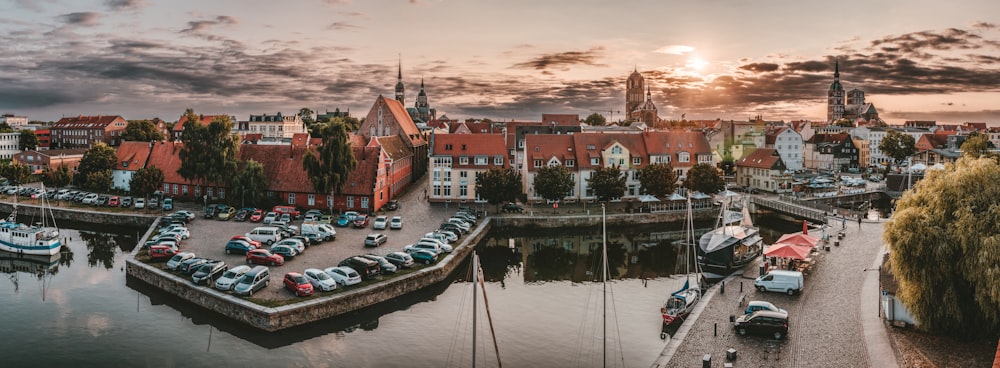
[422,106]
[634,87]
[835,96]
[399,85]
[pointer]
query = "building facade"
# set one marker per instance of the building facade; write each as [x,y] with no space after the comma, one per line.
[275,126]
[132,156]
[456,161]
[15,122]
[38,161]
[847,105]
[84,131]
[763,170]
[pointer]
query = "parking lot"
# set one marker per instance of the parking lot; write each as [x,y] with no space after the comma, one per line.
[209,237]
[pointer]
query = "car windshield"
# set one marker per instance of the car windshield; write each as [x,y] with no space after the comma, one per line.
[230,274]
[352,274]
[321,276]
[177,257]
[300,279]
[246,280]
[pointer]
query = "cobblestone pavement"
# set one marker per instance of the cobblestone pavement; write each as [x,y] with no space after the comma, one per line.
[825,321]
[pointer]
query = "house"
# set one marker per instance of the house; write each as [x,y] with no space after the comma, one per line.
[831,152]
[387,117]
[894,310]
[456,161]
[789,145]
[681,149]
[9,145]
[38,161]
[625,151]
[275,126]
[549,150]
[397,160]
[132,156]
[83,131]
[763,170]
[931,141]
[44,138]
[14,121]
[202,119]
[875,134]
[516,132]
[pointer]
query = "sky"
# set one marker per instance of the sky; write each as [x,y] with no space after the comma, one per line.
[503,60]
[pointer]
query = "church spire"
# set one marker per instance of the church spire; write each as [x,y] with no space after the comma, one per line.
[400,95]
[836,70]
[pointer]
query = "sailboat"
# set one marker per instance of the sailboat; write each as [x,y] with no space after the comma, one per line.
[38,239]
[681,302]
[734,242]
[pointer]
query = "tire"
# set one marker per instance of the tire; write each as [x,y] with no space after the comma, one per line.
[742,331]
[777,335]
[790,292]
[761,289]
[228,251]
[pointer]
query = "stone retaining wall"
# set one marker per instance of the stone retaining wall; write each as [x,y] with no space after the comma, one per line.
[273,319]
[82,215]
[543,221]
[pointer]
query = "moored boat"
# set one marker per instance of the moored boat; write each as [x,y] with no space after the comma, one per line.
[680,303]
[40,239]
[731,245]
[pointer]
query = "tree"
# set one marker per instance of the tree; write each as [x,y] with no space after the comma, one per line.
[146,181]
[944,239]
[27,140]
[975,145]
[332,163]
[307,116]
[844,122]
[6,128]
[704,178]
[210,152]
[728,165]
[98,158]
[898,146]
[142,131]
[17,173]
[250,185]
[99,181]
[499,185]
[607,183]
[553,182]
[595,119]
[57,178]
[658,180]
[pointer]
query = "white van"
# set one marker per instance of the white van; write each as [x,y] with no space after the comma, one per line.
[789,282]
[325,231]
[265,234]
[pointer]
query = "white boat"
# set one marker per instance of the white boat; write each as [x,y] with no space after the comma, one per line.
[39,239]
[734,243]
[681,302]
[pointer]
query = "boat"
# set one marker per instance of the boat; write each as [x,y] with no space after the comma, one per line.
[731,245]
[478,282]
[39,239]
[680,303]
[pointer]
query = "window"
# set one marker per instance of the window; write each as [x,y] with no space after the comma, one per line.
[312,200]
[437,190]
[570,163]
[184,190]
[447,147]
[350,201]
[447,191]
[482,160]
[222,193]
[591,146]
[616,150]
[463,191]
[595,161]
[520,143]
[364,202]
[208,192]
[464,160]
[447,176]
[175,189]
[497,160]
[197,191]
[538,163]
[684,157]
[636,161]
[437,175]
[329,201]
[291,198]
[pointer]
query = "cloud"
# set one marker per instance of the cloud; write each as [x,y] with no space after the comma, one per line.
[984,25]
[81,18]
[344,26]
[760,67]
[124,5]
[563,60]
[674,49]
[201,25]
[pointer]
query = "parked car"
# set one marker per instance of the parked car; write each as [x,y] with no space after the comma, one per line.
[343,220]
[189,266]
[367,268]
[286,218]
[319,279]
[284,250]
[351,215]
[270,216]
[384,264]
[231,277]
[256,244]
[255,279]
[242,214]
[161,253]
[177,259]
[361,221]
[375,239]
[381,222]
[762,323]
[126,202]
[153,203]
[445,247]
[290,210]
[513,207]
[102,200]
[257,216]
[789,282]
[422,256]
[182,232]
[430,247]
[265,234]
[90,198]
[312,215]
[439,237]
[453,228]
[758,305]
[400,259]
[396,223]
[345,276]
[326,219]
[209,271]
[168,204]
[294,242]
[187,214]
[264,256]
[239,247]
[114,201]
[392,205]
[298,284]
[140,203]
[451,235]
[225,214]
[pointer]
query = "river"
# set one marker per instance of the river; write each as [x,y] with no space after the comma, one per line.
[546,308]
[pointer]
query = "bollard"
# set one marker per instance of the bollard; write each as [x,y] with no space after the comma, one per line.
[731,354]
[741,286]
[706,361]
[722,287]
[836,243]
[715,329]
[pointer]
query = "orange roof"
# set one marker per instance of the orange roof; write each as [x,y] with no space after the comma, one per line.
[81,121]
[490,145]
[762,158]
[546,146]
[393,147]
[561,119]
[602,141]
[673,142]
[202,119]
[355,139]
[165,156]
[132,156]
[412,134]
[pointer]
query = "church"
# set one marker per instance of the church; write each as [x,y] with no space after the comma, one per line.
[637,108]
[421,113]
[850,105]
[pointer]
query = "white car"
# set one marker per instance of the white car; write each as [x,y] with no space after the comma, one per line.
[345,276]
[181,231]
[231,277]
[381,222]
[190,215]
[439,236]
[433,248]
[396,223]
[320,279]
[270,217]
[444,246]
[296,244]
[140,203]
[177,259]
[90,198]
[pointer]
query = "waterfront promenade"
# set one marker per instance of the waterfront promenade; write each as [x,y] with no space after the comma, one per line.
[834,323]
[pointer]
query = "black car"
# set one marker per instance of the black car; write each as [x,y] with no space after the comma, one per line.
[762,322]
[513,207]
[392,205]
[207,272]
[242,214]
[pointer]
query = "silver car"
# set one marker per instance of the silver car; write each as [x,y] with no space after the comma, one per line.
[228,279]
[320,280]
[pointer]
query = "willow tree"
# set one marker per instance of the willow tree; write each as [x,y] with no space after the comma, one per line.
[333,161]
[945,249]
[210,152]
[249,185]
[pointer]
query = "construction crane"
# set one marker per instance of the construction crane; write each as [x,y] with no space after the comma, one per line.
[611,114]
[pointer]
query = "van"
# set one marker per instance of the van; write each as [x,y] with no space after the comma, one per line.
[265,234]
[161,253]
[367,268]
[168,204]
[789,282]
[254,280]
[325,231]
[290,210]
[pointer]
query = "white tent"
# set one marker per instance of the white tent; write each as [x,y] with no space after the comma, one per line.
[676,197]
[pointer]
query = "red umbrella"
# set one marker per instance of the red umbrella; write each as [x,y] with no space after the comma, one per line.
[785,250]
[799,239]
[805,227]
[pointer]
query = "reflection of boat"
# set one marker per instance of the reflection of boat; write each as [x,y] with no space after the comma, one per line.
[31,264]
[681,302]
[42,239]
[734,243]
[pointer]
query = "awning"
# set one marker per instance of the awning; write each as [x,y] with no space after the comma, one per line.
[799,239]
[785,250]
[646,198]
[676,197]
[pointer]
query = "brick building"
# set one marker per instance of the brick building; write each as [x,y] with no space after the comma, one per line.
[84,131]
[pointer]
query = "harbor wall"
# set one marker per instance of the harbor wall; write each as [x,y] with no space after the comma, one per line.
[546,221]
[278,318]
[130,219]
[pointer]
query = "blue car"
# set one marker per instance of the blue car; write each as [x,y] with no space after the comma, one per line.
[238,247]
[343,220]
[422,256]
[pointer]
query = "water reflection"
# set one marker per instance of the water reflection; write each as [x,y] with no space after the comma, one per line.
[40,267]
[102,248]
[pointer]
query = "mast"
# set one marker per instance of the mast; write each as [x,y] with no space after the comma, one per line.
[475,281]
[604,282]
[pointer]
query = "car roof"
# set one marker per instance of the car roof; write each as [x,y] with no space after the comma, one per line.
[771,314]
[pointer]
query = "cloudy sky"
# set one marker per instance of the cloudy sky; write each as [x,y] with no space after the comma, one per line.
[511,59]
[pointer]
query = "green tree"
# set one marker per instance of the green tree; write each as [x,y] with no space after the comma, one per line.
[146,181]
[210,152]
[704,178]
[15,172]
[57,178]
[328,171]
[595,119]
[975,145]
[553,182]
[98,158]
[844,122]
[249,185]
[27,140]
[658,180]
[99,181]
[6,128]
[307,116]
[944,241]
[142,131]
[499,185]
[608,183]
[898,146]
[728,165]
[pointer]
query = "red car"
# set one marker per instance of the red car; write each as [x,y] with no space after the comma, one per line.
[298,284]
[361,221]
[161,253]
[257,216]
[254,243]
[264,257]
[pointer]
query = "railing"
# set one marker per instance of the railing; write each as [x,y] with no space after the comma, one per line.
[809,213]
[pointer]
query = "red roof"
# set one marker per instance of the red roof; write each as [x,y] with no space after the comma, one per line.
[828,138]
[673,142]
[546,146]
[412,134]
[165,156]
[761,158]
[202,119]
[88,122]
[602,141]
[132,156]
[490,145]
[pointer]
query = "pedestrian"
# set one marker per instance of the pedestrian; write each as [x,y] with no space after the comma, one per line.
[859,221]
[843,222]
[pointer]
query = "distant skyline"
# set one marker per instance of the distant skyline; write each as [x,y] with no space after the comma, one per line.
[517,59]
